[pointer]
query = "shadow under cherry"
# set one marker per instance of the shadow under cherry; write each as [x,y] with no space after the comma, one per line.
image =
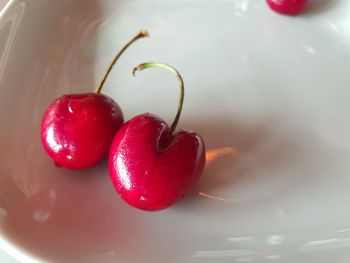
[318,7]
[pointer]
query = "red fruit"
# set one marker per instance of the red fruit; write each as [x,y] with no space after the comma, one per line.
[77,129]
[288,7]
[151,168]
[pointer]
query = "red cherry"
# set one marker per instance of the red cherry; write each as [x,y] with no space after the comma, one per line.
[150,166]
[77,129]
[288,7]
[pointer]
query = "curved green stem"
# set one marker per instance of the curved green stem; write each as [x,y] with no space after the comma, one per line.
[143,33]
[182,87]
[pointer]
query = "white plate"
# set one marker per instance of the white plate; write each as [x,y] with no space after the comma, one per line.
[269,94]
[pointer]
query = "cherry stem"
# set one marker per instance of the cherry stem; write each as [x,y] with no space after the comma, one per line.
[182,87]
[143,33]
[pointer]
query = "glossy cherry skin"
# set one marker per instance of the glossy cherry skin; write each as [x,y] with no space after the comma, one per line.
[77,130]
[288,7]
[152,169]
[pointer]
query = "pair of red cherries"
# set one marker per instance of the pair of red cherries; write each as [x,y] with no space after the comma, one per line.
[150,164]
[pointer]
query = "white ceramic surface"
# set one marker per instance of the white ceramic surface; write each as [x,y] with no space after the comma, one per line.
[5,258]
[269,94]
